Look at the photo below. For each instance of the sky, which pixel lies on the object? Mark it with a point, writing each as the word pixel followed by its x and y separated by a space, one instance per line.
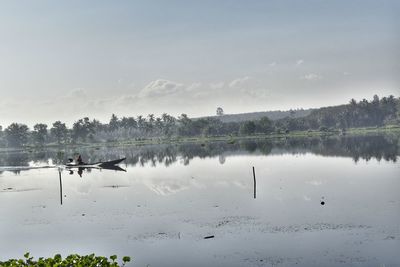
pixel 64 60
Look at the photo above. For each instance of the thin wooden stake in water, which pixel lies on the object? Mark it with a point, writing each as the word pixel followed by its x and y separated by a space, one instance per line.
pixel 59 174
pixel 254 176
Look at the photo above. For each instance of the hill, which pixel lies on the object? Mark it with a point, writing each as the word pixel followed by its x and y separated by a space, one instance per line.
pixel 272 115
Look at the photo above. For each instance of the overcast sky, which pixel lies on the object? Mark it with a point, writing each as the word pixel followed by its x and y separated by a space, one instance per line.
pixel 65 60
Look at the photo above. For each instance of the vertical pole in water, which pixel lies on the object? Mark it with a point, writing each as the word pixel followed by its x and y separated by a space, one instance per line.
pixel 59 174
pixel 254 177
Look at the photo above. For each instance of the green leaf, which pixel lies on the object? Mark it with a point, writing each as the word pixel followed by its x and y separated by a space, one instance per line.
pixel 126 259
pixel 71 260
pixel 57 258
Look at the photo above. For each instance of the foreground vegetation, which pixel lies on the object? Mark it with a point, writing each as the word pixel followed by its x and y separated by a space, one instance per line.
pixel 363 116
pixel 71 260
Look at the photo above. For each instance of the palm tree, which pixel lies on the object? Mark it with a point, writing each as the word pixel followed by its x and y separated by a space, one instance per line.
pixel 150 124
pixel 141 122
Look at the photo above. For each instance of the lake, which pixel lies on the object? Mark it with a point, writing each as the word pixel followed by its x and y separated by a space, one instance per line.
pixel 316 202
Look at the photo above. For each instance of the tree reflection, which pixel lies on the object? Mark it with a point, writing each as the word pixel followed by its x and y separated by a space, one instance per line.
pixel 379 147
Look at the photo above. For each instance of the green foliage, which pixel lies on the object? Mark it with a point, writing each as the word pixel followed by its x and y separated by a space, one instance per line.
pixel 323 129
pixel 82 129
pixel 17 135
pixel 70 261
pixel 113 125
pixel 264 125
pixel 168 124
pixel 374 113
pixel 249 127
pixel 59 132
pixel 220 111
pixel 39 133
pixel 2 141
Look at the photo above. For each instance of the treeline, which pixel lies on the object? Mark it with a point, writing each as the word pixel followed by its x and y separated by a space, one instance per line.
pixel 377 112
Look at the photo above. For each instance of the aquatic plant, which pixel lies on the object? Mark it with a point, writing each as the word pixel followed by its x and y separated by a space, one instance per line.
pixel 69 261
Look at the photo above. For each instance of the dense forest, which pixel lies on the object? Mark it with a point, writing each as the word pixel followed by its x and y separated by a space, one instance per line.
pixel 374 113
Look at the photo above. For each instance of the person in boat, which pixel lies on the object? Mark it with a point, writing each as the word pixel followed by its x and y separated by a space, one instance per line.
pixel 79 160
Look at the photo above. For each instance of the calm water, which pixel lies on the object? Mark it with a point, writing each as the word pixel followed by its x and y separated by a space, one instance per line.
pixel 172 196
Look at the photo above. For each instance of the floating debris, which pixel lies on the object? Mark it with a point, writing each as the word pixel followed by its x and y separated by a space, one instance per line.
pixel 115 186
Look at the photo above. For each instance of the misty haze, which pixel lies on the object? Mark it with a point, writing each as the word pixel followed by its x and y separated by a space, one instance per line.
pixel 200 133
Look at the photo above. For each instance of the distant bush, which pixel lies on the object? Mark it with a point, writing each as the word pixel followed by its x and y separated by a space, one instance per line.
pixel 323 129
pixel 71 260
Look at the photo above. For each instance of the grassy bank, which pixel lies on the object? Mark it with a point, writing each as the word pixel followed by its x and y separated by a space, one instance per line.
pixel 204 139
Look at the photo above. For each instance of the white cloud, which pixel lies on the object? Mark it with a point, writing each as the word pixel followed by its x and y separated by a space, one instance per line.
pixel 160 87
pixel 126 100
pixel 311 77
pixel 165 88
pixel 239 81
pixel 193 87
pixel 346 73
pixel 256 93
pixel 272 64
pixel 299 62
pixel 77 92
pixel 217 85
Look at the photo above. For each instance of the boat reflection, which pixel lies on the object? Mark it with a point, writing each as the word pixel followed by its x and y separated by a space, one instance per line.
pixel 80 170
